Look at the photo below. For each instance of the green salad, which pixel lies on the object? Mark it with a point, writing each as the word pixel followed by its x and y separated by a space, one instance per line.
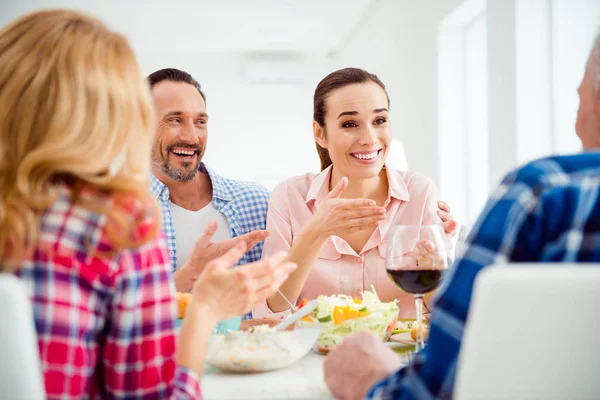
pixel 342 316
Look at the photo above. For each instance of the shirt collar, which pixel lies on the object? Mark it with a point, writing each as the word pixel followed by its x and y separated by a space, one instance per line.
pixel 397 185
pixel 220 188
pixel 320 186
pixel 220 191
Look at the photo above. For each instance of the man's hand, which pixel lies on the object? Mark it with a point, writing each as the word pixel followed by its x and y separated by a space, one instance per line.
pixel 448 223
pixel 205 251
pixel 352 368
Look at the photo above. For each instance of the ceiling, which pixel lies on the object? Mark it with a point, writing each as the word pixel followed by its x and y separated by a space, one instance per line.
pixel 246 26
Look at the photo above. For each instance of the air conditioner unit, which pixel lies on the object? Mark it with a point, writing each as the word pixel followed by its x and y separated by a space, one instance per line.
pixel 278 70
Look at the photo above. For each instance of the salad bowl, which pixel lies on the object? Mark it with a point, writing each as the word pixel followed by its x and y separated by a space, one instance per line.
pixel 341 316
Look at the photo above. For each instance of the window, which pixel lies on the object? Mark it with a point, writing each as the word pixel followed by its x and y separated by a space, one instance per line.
pixel 462 77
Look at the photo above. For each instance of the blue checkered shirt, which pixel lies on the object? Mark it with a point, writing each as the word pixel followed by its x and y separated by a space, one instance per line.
pixel 244 204
pixel 546 211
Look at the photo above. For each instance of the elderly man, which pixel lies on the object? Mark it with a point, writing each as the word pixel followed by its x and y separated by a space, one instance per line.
pixel 204 214
pixel 547 210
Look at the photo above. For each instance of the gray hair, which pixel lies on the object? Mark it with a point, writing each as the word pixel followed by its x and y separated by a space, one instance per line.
pixel 593 65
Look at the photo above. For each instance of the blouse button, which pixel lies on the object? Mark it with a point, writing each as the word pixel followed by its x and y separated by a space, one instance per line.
pixel 359 260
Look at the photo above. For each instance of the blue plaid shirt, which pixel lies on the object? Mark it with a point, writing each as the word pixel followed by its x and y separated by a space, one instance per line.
pixel 546 211
pixel 244 204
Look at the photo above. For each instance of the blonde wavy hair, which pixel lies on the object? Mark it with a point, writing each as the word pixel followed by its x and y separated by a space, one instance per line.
pixel 74 110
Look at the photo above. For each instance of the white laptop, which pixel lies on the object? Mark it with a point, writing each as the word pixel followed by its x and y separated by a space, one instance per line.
pixel 533 333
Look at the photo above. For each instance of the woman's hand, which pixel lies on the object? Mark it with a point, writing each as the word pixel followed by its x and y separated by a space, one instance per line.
pixel 228 292
pixel 425 254
pixel 448 222
pixel 337 216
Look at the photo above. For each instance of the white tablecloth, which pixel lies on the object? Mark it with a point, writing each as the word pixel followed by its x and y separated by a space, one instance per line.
pixel 302 380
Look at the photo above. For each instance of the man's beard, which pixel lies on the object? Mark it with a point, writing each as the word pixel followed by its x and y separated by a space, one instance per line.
pixel 185 174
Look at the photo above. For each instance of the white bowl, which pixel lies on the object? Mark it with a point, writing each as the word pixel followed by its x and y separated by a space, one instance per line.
pixel 260 351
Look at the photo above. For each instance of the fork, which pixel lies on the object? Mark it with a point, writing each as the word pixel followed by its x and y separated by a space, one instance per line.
pixel 293 307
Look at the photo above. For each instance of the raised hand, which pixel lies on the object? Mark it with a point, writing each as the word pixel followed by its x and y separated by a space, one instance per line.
pixel 336 216
pixel 229 292
pixel 204 251
pixel 448 222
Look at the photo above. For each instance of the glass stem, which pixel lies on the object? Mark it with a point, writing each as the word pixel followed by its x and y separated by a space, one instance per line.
pixel 419 306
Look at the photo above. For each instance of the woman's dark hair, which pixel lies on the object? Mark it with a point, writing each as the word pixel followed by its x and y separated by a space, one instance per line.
pixel 333 81
pixel 174 75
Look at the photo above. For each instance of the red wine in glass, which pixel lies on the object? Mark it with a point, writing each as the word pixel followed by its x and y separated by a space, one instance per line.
pixel 419 281
pixel 416 262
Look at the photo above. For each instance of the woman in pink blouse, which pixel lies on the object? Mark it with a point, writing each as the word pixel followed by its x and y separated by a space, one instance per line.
pixel 335 224
pixel 79 226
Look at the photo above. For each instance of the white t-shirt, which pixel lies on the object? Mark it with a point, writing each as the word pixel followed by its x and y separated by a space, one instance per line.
pixel 189 225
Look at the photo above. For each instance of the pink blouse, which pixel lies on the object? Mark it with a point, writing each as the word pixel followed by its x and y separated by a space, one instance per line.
pixel 412 200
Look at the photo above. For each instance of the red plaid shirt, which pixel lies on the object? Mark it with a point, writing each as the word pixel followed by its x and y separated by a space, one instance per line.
pixel 105 324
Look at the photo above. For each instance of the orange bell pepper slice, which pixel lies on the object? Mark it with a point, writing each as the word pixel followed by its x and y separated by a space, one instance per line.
pixel 351 313
pixel 339 316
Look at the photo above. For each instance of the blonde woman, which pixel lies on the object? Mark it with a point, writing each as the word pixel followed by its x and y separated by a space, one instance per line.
pixel 79 226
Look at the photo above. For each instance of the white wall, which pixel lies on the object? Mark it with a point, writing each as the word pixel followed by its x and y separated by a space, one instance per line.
pixel 263 131
pixel 536 52
pixel 257 131
pixel 397 40
pixel 463 109
pixel 554 38
pixel 534 79
pixel 502 89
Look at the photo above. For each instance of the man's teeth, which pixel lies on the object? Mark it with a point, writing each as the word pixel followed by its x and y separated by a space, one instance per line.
pixel 366 156
pixel 184 152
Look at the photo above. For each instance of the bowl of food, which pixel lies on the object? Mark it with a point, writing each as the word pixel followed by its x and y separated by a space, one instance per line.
pixel 260 348
pixel 342 316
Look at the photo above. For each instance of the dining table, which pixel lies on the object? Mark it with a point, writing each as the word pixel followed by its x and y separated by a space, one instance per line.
pixel 301 380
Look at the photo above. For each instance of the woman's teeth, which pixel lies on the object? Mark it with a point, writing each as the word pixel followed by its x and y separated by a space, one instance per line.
pixel 365 156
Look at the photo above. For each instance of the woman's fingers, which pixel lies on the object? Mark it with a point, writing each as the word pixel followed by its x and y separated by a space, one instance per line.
pixel 353 204
pixel 230 258
pixel 364 212
pixel 363 222
pixel 261 268
pixel 338 189
pixel 279 273
pixel 267 287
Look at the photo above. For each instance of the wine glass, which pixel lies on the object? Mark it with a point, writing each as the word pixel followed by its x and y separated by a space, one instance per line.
pixel 416 261
pixel 463 233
